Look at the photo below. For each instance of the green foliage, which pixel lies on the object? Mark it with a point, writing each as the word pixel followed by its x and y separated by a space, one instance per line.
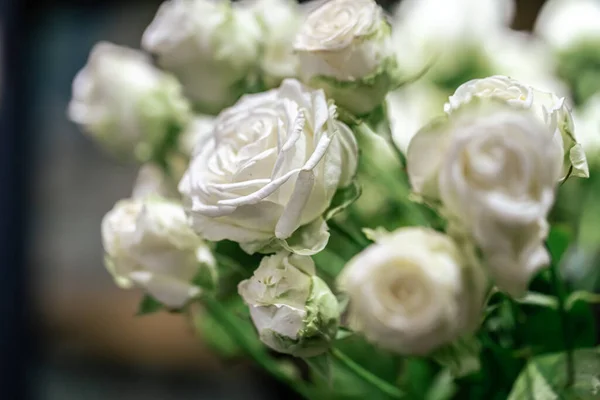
pixel 461 357
pixel 343 198
pixel 334 378
pixel 580 67
pixel 149 305
pixel 545 377
pixel 219 338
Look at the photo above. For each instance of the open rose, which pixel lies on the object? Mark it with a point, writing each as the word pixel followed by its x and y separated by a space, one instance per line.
pixel 547 107
pixel 269 170
pixel 494 169
pixel 344 47
pixel 413 291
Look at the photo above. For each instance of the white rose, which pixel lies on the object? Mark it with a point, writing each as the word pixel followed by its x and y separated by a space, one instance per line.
pixel 148 244
pixel 345 48
pixel 293 310
pixel 494 168
pixel 565 23
pixel 280 21
pixel 200 127
pixel 269 170
pixel 125 103
pixel 546 107
pixel 413 291
pixel 209 45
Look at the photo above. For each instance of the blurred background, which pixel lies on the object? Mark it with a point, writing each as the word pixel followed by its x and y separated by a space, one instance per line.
pixel 66 331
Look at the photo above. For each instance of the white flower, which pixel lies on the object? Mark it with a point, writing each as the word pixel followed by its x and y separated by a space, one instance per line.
pixel 447 34
pixel 293 310
pixel 411 107
pixel 413 291
pixel 194 133
pixel 269 170
pixel 280 21
pixel 566 23
pixel 546 107
pixel 148 244
pixel 152 180
pixel 209 45
pixel 345 48
pixel 128 105
pixel 494 168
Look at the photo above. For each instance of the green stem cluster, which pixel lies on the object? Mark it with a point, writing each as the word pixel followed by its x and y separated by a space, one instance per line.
pixel 368 377
pixel 224 319
pixel 561 295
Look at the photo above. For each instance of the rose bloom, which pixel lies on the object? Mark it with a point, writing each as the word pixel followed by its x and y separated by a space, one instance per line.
pixel 148 244
pixel 212 47
pixel 293 310
pixel 494 169
pixel 413 291
pixel 269 170
pixel 547 107
pixel 124 102
pixel 344 47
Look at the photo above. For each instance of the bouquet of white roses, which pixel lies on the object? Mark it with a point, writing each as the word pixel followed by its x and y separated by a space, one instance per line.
pixel 295 198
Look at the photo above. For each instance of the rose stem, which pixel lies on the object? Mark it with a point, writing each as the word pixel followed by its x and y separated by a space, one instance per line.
pixel 562 312
pixel 356 238
pixel 223 318
pixel 368 377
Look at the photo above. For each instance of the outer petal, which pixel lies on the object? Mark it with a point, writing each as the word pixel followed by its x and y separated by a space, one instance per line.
pixel 172 292
pixel 424 157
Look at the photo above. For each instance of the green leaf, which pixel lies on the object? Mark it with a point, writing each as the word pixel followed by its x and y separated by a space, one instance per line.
pixel 148 305
pixel 418 374
pixel 558 242
pixel 587 297
pixel 539 299
pixel 545 378
pixel 461 357
pixel 443 387
pixel 343 333
pixel 216 337
pixel 343 198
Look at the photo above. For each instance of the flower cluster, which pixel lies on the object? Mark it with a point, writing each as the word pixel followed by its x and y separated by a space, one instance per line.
pixel 259 127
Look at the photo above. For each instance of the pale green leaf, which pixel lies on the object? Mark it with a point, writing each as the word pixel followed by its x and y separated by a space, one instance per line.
pixel 584 296
pixel 545 378
pixel 149 305
pixel 461 357
pixel 343 198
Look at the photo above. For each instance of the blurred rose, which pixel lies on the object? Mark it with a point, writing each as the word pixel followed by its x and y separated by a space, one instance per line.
pixel 211 46
pixel 148 244
pixel 413 291
pixel 344 47
pixel 125 103
pixel 494 169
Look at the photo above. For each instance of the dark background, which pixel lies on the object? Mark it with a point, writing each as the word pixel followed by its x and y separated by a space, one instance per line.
pixel 65 331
